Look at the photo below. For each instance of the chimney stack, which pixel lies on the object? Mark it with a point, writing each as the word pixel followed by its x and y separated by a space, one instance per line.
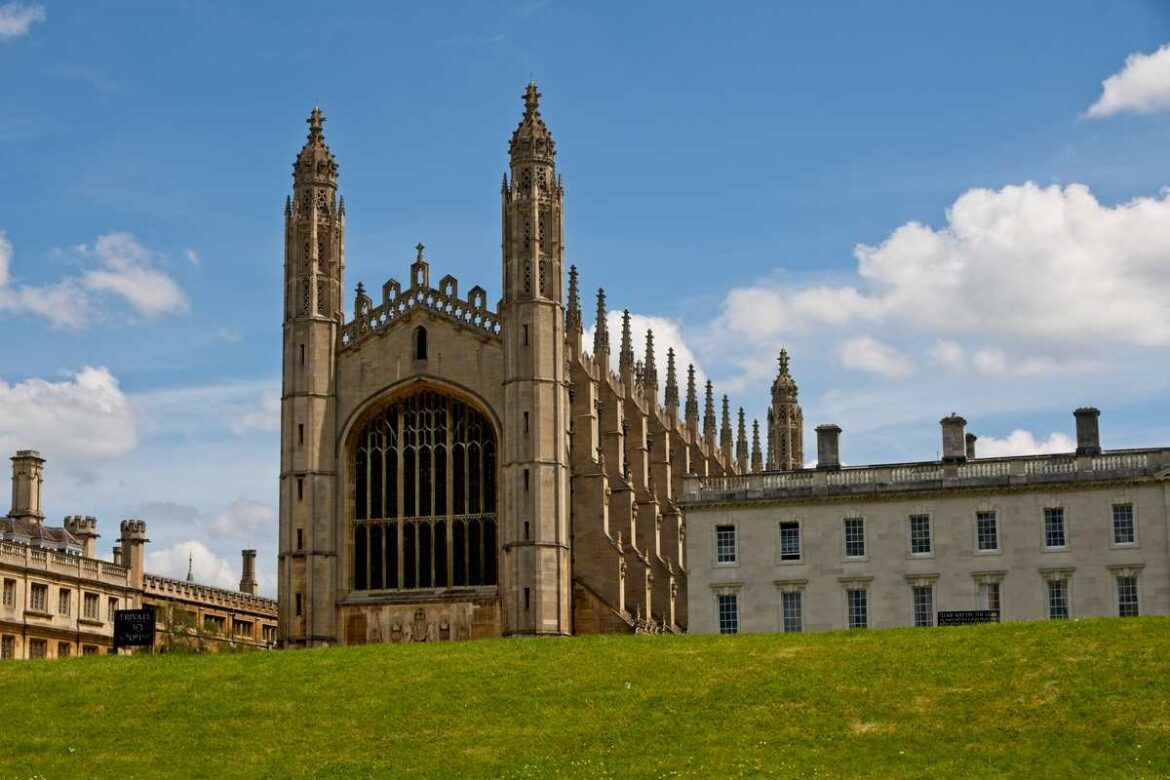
pixel 248 575
pixel 971 439
pixel 1088 434
pixel 117 555
pixel 133 542
pixel 84 529
pixel 828 447
pixel 954 442
pixel 28 469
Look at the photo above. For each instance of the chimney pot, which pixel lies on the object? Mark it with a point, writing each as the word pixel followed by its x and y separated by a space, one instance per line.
pixel 954 440
pixel 971 439
pixel 828 447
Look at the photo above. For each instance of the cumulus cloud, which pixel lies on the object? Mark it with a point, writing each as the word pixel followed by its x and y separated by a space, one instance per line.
pixel 948 353
pixel 246 519
pixel 264 416
pixel 1038 265
pixel 83 417
pixel 16 19
pixel 1142 86
pixel 868 354
pixel 207 568
pixel 125 270
pixel 1021 442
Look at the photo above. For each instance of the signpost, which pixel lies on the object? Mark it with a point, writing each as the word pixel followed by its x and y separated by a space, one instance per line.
pixel 967 617
pixel 134 628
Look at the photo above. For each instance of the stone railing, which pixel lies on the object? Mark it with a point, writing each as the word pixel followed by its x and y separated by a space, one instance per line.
pixel 52 562
pixel 397 304
pixel 909 476
pixel 165 587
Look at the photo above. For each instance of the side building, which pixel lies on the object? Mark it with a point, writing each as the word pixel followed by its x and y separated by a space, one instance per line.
pixel 57 599
pixel 1081 534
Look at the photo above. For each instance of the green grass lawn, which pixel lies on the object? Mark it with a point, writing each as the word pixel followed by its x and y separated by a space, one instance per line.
pixel 1086 698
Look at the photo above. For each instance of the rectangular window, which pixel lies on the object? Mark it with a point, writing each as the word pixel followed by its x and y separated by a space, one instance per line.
pixel 64 601
pixel 854 537
pixel 986 531
pixel 298 605
pixel 300 433
pixel 1127 596
pixel 1057 599
pixel 920 534
pixel 526 422
pixel 989 595
pixel 214 624
pixel 300 488
pixel 858 600
pixel 38 600
pixel 64 649
pixel 1123 524
pixel 10 593
pixel 300 538
pixel 89 650
pixel 1054 535
pixel 302 354
pixel 923 605
pixel 7 646
pixel 242 629
pixel 112 606
pixel 728 613
pixel 792 612
pixel 725 551
pixel 790 541
pixel 90 609
pixel 525 480
pixel 38 648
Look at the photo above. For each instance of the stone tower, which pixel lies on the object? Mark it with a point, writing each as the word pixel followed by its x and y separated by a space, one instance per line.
pixel 785 422
pixel 314 267
pixel 28 475
pixel 535 570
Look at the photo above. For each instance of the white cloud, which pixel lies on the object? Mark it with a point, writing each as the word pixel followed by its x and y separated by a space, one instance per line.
pixel 868 354
pixel 192 257
pixel 84 417
pixel 667 334
pixel 1038 265
pixel 16 19
pixel 990 361
pixel 948 353
pixel 265 416
pixel 127 273
pixel 207 568
pixel 1021 442
pixel 246 519
pixel 1142 86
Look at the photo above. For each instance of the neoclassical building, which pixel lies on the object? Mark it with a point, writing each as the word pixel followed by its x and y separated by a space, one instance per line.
pixel 455 469
pixel 1067 535
pixel 58 599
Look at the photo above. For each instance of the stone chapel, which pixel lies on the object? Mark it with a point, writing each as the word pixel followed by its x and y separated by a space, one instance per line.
pixel 454 470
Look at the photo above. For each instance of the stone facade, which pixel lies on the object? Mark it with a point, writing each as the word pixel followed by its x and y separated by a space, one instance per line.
pixel 57 599
pixel 451 470
pixel 1082 534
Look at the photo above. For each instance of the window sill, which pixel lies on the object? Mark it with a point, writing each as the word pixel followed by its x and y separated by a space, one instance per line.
pixel 790 561
pixel 86 621
pixel 37 613
pixel 1125 546
pixel 1054 549
pixel 727 565
pixel 989 552
pixel 856 559
pixel 920 556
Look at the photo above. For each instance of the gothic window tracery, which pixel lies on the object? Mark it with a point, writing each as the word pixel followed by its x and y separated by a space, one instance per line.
pixel 425 497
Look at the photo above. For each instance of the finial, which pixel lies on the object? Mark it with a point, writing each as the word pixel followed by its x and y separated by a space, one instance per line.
pixel 626 356
pixel 531 99
pixel 361 289
pixel 504 186
pixel 287 206
pixel 419 247
pixel 671 394
pixel 190 566
pixel 783 362
pixel 601 332
pixel 757 454
pixel 741 445
pixel 341 205
pixel 573 316
pixel 316 122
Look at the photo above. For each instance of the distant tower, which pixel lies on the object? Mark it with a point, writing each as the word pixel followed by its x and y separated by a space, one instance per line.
pixel 28 475
pixel 314 272
pixel 248 572
pixel 534 589
pixel 785 422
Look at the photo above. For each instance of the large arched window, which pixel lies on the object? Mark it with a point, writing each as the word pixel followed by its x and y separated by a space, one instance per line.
pixel 424 497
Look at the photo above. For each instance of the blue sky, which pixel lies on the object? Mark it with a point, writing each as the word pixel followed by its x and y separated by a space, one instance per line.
pixel 722 166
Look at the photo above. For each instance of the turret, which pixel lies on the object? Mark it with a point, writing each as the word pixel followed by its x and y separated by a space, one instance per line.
pixel 785 422
pixel 84 529
pixel 133 543
pixel 28 477
pixel 248 572
pixel 534 512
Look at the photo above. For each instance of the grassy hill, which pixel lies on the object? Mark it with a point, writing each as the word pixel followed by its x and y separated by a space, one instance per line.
pixel 1087 698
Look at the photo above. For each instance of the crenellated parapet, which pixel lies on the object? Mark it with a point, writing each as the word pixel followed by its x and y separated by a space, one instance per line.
pixel 397 304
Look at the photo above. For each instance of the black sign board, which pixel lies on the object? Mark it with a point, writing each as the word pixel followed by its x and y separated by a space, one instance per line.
pixel 134 627
pixel 967 617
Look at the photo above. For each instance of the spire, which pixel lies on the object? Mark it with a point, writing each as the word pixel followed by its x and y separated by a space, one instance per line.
pixel 601 334
pixel 190 566
pixel 650 366
pixel 626 355
pixel 757 455
pixel 532 139
pixel 315 164
pixel 709 415
pixel 784 362
pixel 671 394
pixel 573 316
pixel 785 421
pixel 725 431
pixel 692 409
pixel 741 445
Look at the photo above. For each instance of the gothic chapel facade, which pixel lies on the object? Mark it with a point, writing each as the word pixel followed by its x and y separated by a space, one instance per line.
pixel 450 471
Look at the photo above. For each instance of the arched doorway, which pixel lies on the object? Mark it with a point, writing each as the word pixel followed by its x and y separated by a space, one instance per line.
pixel 424 503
